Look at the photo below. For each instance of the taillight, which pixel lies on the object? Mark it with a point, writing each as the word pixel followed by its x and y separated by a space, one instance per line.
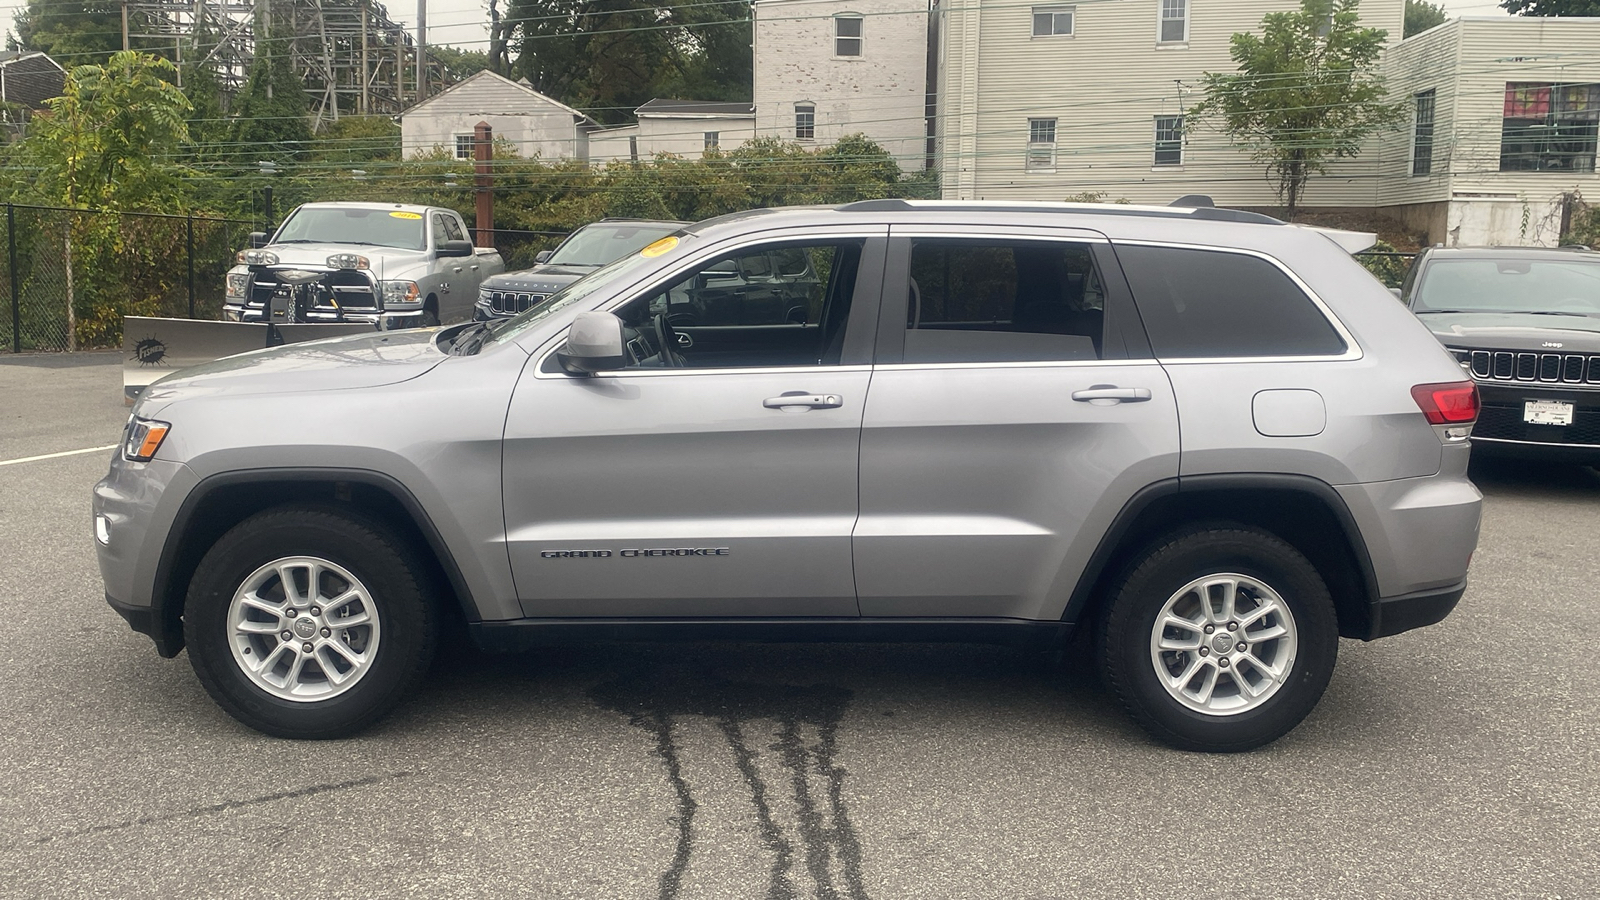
pixel 1451 403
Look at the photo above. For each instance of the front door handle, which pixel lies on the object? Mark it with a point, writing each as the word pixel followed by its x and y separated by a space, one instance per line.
pixel 803 400
pixel 1107 394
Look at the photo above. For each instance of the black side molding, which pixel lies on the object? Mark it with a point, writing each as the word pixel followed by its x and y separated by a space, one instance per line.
pixel 523 634
pixel 1393 615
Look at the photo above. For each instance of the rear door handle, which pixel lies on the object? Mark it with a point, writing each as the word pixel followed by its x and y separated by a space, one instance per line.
pixel 802 400
pixel 1112 393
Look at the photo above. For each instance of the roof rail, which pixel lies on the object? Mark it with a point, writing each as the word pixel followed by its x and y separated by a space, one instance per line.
pixel 1210 213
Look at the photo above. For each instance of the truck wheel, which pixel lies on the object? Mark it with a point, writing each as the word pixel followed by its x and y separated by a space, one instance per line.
pixel 309 622
pixel 1219 638
pixel 430 314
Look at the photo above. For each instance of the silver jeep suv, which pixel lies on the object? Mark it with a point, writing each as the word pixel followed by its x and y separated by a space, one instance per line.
pixel 1208 437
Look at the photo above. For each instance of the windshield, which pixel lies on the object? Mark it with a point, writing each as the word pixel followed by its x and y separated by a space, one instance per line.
pixel 596 245
pixel 337 225
pixel 509 328
pixel 1511 285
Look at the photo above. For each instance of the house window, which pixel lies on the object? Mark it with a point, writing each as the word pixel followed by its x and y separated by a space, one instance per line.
pixel 712 139
pixel 1169 141
pixel 1041 145
pixel 1174 22
pixel 847 35
pixel 1053 21
pixel 464 146
pixel 633 147
pixel 1422 135
pixel 1549 127
pixel 805 122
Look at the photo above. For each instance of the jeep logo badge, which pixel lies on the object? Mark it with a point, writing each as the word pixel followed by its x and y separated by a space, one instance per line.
pixel 1556 345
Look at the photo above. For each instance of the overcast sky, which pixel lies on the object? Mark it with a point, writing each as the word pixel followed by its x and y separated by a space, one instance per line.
pixel 465 23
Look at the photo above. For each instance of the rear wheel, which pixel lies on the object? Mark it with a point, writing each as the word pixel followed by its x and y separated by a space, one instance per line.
pixel 309 622
pixel 1219 638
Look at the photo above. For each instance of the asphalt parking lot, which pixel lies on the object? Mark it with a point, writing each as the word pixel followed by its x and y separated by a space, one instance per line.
pixel 1461 760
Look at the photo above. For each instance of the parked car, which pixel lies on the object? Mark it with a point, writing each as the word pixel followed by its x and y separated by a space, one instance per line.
pixel 1525 322
pixel 391 264
pixel 1208 437
pixel 583 251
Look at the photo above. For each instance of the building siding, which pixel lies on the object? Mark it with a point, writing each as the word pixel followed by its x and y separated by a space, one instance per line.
pixel 1105 85
pixel 881 94
pixel 534 124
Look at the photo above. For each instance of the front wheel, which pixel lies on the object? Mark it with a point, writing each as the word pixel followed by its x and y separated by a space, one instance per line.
pixel 309 622
pixel 1219 638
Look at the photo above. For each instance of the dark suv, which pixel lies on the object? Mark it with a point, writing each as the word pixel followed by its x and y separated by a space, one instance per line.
pixel 583 251
pixel 1526 323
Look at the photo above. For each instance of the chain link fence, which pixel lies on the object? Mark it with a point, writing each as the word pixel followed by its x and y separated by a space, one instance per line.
pixel 68 276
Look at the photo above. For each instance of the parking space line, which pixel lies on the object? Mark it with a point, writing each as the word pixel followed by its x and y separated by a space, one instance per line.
pixel 12 462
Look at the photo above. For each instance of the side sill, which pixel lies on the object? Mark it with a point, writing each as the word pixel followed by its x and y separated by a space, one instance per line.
pixel 520 634
pixel 1394 615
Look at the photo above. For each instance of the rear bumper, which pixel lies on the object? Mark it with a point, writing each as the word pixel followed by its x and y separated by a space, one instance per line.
pixel 1393 615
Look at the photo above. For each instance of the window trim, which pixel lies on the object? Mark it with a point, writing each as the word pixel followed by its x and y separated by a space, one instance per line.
pixel 1416 125
pixel 810 109
pixel 1053 10
pixel 1352 349
pixel 1155 154
pixel 1054 142
pixel 713 140
pixel 860 39
pixel 472 146
pixel 1161 20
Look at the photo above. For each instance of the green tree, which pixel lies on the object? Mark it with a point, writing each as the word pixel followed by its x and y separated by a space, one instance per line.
pixel 1551 7
pixel 74 32
pixel 271 110
pixel 459 64
pixel 110 142
pixel 1307 91
pixel 1422 15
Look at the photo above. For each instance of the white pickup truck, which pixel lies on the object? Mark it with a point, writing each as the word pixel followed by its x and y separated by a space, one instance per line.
pixel 391 264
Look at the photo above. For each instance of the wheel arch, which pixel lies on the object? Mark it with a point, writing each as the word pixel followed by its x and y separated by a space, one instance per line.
pixel 221 501
pixel 1306 512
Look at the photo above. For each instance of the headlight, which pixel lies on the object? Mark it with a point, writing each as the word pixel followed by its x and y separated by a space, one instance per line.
pixel 257 258
pixel 349 261
pixel 400 292
pixel 238 282
pixel 144 438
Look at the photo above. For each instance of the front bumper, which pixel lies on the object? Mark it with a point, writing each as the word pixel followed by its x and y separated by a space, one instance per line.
pixel 1502 430
pixel 136 501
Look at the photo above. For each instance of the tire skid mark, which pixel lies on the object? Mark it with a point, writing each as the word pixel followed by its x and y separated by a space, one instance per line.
pixel 653 697
pixel 224 806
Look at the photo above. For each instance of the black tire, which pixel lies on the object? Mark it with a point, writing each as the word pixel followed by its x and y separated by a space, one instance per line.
pixel 363 546
pixel 1160 571
pixel 429 317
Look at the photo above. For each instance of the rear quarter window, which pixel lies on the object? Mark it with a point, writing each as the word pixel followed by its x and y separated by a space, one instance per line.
pixel 1212 303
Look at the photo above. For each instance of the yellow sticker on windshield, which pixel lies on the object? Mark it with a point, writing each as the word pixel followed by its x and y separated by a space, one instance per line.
pixel 405 215
pixel 660 247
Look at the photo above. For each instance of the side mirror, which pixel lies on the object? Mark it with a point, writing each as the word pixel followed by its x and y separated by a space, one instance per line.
pixel 542 257
pixel 595 343
pixel 1396 293
pixel 258 239
pixel 456 248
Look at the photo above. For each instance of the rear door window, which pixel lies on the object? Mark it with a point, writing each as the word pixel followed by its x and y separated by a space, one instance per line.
pixel 1003 301
pixel 1212 303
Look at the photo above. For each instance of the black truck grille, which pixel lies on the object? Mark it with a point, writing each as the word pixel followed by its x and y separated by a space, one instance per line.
pixel 1548 368
pixel 1504 422
pixel 509 302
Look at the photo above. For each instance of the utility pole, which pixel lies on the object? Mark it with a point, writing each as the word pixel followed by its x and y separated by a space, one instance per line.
pixel 365 71
pixel 400 68
pixel 422 50
pixel 483 183
pixel 125 44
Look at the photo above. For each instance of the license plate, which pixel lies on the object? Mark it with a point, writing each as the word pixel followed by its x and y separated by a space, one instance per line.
pixel 1547 412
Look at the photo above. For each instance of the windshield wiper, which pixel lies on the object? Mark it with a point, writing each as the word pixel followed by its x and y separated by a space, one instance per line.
pixel 300 241
pixel 471 339
pixel 1557 312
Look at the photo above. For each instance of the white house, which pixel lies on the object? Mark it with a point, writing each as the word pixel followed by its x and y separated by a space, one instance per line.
pixel 828 68
pixel 690 127
pixel 533 123
pixel 1049 100
pixel 1502 132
